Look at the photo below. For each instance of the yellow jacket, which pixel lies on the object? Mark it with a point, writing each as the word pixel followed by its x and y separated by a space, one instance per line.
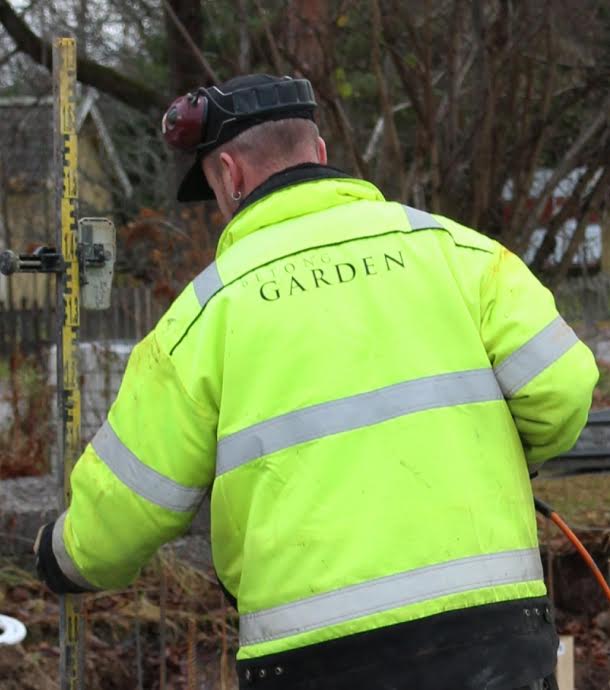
pixel 364 388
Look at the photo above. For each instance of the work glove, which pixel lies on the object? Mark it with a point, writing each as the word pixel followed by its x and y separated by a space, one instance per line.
pixel 46 564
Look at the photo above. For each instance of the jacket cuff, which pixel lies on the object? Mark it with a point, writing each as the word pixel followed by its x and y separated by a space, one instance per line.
pixel 48 563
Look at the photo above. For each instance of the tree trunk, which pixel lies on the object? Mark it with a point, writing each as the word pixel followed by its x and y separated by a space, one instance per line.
pixel 186 72
pixel 82 20
pixel 307 35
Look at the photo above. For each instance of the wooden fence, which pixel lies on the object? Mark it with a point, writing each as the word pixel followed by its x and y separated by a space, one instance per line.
pixel 134 311
pixel 32 327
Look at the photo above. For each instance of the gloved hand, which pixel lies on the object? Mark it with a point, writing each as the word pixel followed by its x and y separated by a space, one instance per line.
pixel 46 564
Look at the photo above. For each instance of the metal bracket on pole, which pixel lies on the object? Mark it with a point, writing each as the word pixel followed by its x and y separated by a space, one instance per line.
pixel 96 252
pixel 43 260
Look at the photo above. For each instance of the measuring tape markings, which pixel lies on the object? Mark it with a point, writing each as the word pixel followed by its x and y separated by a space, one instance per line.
pixel 70 401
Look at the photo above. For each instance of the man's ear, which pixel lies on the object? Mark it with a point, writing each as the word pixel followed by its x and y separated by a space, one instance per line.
pixel 322 157
pixel 232 174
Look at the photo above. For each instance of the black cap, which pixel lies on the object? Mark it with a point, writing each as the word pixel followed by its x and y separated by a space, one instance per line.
pixel 235 106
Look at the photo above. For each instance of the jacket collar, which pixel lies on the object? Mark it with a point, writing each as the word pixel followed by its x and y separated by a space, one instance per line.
pixel 305 172
pixel 303 189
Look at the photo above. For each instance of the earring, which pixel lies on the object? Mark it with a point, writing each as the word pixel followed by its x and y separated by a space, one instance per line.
pixel 236 196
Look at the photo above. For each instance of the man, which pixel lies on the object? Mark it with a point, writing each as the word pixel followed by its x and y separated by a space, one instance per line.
pixel 365 388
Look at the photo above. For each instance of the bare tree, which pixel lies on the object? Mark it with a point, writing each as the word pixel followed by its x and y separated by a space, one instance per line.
pixel 451 105
pixel 104 78
pixel 184 27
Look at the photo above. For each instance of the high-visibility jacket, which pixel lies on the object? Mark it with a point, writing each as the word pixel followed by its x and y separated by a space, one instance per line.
pixel 364 387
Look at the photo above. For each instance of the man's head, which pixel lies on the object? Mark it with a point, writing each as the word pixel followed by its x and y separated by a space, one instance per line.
pixel 242 132
pixel 236 168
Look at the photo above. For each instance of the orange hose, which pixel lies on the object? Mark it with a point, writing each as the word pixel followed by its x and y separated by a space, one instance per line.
pixel 582 551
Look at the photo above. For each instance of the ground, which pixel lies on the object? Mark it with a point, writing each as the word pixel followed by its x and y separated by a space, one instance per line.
pixel 123 632
pixel 200 629
pixel 582 610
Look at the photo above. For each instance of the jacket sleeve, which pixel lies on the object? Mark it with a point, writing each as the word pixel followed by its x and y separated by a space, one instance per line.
pixel 141 479
pixel 546 373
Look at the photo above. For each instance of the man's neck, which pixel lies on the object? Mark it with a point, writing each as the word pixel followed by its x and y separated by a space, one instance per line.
pixel 303 172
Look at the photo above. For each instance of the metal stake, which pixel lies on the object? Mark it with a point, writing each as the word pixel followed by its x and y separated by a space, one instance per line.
pixel 68 321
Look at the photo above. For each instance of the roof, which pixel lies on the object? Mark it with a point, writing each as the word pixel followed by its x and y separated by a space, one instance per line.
pixel 589 252
pixel 26 139
pixel 564 187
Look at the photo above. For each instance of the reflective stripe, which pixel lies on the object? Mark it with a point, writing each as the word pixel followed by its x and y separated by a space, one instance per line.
pixel 523 365
pixel 391 592
pixel 207 284
pixel 420 220
pixel 141 479
pixel 63 559
pixel 355 412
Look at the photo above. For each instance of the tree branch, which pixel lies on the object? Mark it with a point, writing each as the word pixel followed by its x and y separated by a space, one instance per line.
pixel 579 232
pixel 103 78
pixel 408 82
pixel 523 181
pixel 394 147
pixel 276 58
pixel 243 60
pixel 569 209
pixel 8 57
pixel 377 133
pixel 197 53
pixel 568 162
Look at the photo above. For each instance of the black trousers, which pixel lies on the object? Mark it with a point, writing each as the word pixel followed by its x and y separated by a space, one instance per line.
pixel 546 684
pixel 502 646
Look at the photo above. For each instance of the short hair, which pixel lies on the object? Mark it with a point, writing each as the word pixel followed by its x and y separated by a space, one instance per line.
pixel 273 144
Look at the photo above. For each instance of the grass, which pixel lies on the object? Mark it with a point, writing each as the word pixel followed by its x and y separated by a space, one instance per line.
pixel 122 626
pixel 601 397
pixel 4 369
pixel 583 500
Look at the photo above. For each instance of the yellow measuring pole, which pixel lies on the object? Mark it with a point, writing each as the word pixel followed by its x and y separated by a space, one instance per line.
pixel 68 323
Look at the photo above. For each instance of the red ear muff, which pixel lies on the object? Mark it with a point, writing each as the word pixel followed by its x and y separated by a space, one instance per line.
pixel 184 122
